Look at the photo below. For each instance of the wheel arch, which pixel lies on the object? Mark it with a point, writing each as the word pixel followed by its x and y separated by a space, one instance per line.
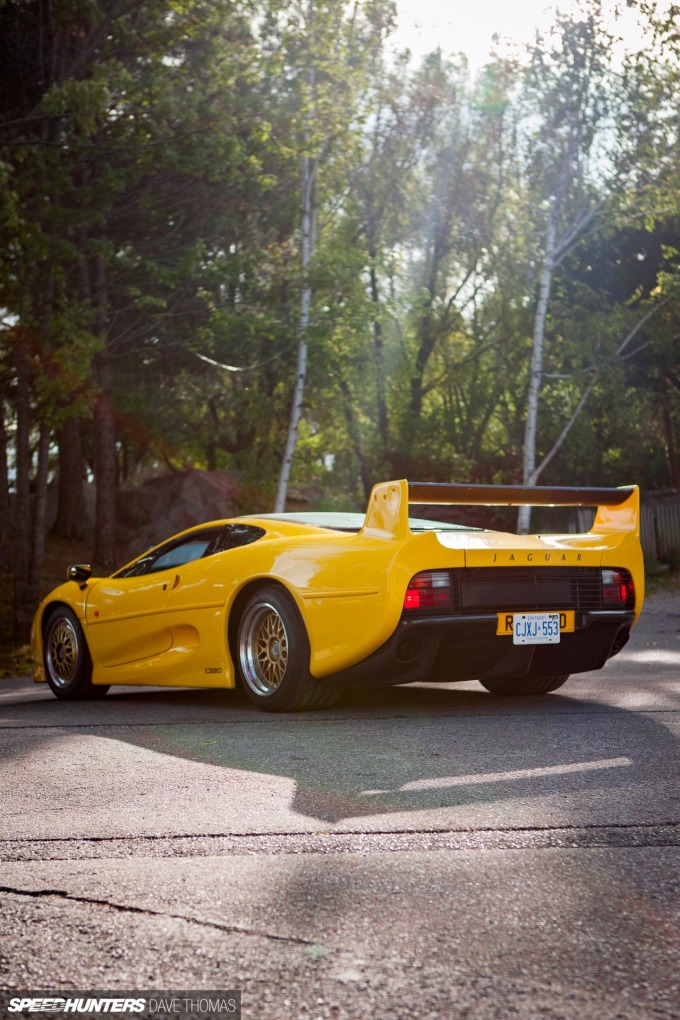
pixel 39 629
pixel 267 610
pixel 49 608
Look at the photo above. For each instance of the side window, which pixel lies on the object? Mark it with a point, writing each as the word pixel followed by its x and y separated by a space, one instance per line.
pixel 139 567
pixel 232 536
pixel 187 552
pixel 171 554
pixel 193 547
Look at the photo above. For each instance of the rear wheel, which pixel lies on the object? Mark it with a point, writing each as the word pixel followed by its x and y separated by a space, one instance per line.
pixel 273 656
pixel 532 683
pixel 68 666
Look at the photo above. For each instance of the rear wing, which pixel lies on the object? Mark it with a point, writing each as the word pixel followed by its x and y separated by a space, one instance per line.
pixel 387 513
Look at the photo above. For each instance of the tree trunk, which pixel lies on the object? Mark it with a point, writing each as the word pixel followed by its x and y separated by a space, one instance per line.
pixel 428 329
pixel 23 608
pixel 427 339
pixel 105 466
pixel 5 512
pixel 379 349
pixel 39 512
pixel 70 521
pixel 355 440
pixel 308 245
pixel 536 375
pixel 669 431
pixel 105 476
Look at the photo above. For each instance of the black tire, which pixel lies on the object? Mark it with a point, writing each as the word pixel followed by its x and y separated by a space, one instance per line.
pixel 532 683
pixel 68 666
pixel 272 655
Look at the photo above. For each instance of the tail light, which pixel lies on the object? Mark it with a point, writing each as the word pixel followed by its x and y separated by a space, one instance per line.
pixel 618 590
pixel 429 590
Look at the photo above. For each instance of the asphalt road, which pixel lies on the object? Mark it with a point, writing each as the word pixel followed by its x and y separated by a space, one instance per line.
pixel 428 852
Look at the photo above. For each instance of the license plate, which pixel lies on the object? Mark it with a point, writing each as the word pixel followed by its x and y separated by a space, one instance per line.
pixel 535 628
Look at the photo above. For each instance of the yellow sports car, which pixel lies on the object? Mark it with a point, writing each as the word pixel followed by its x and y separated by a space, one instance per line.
pixel 297 606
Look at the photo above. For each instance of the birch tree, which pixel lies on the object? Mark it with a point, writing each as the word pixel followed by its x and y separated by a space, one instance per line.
pixel 328 50
pixel 309 170
pixel 575 99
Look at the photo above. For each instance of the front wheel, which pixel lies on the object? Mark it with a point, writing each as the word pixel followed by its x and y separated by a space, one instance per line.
pixel 273 656
pixel 532 683
pixel 68 666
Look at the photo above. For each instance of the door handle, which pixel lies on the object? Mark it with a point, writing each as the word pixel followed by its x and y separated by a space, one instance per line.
pixel 176 582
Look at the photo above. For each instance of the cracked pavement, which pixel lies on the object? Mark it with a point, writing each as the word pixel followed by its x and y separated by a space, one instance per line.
pixel 426 852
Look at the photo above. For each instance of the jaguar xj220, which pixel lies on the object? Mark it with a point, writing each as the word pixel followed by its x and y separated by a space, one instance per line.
pixel 294 607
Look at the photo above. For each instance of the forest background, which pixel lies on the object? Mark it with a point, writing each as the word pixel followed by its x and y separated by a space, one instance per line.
pixel 248 235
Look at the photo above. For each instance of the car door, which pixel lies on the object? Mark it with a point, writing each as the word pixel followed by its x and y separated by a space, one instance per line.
pixel 197 592
pixel 125 618
pixel 126 614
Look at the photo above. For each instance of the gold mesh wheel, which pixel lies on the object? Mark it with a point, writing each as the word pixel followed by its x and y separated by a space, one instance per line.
pixel 263 648
pixel 68 666
pixel 62 652
pixel 272 652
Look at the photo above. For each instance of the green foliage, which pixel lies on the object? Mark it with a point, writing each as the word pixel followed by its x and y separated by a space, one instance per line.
pixel 149 215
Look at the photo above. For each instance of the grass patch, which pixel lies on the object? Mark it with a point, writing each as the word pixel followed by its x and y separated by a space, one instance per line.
pixel 662 580
pixel 15 661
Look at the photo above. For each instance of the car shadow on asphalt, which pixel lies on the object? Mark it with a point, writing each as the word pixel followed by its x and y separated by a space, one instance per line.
pixel 389 751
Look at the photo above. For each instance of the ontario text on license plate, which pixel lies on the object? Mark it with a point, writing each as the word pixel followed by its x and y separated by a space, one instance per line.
pixel 535 628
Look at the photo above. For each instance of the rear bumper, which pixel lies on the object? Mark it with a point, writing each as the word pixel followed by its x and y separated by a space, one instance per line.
pixel 445 649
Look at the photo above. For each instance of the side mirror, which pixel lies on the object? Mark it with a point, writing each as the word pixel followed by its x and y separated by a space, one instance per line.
pixel 79 572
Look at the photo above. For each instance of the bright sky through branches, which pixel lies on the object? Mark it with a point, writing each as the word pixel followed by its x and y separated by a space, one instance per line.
pixel 468 26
